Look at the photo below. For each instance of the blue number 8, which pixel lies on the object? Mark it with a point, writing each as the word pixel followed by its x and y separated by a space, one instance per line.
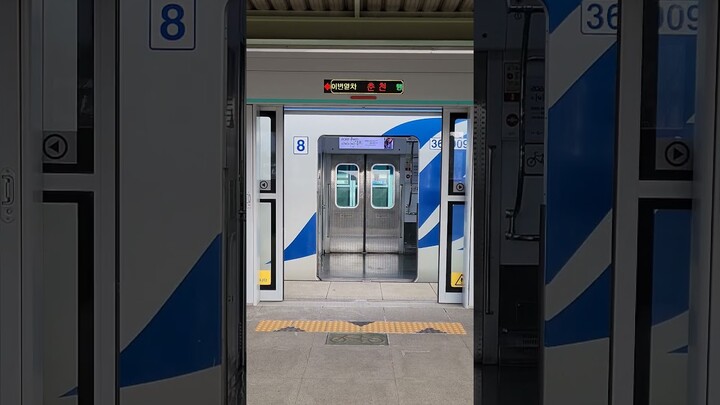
pixel 301 145
pixel 176 21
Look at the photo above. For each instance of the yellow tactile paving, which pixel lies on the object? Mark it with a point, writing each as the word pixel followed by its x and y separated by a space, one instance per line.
pixel 451 328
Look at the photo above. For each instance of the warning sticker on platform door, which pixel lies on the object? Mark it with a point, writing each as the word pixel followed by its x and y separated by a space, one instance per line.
pixel 456 279
pixel 265 277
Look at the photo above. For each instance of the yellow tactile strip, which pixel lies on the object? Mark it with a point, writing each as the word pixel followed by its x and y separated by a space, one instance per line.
pixel 451 328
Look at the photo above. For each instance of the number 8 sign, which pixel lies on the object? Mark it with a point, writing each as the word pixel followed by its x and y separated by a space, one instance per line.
pixel 172 24
pixel 300 145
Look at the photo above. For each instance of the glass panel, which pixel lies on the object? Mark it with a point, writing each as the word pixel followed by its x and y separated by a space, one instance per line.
pixel 265 241
pixel 383 186
pixel 458 153
pixel 265 131
pixel 667 130
pixel 346 186
pixel 668 104
pixel 456 243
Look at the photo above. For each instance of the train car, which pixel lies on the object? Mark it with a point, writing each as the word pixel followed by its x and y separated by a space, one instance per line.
pixel 551 163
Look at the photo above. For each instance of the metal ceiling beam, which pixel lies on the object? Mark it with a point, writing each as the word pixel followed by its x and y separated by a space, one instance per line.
pixel 356 44
pixel 460 15
pixel 394 29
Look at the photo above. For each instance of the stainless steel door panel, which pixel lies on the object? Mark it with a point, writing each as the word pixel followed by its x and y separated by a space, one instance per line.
pixel 383 226
pixel 345 209
pixel 350 265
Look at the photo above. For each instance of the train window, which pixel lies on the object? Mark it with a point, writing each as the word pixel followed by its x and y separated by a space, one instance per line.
pixel 382 191
pixel 458 153
pixel 266 132
pixel 347 189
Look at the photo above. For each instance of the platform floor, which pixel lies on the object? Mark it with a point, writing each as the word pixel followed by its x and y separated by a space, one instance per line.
pixel 305 349
pixel 358 290
pixel 412 366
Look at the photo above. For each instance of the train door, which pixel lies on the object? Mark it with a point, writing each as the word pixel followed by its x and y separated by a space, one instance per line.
pixel 344 228
pixel 10 359
pixel 454 210
pixel 21 226
pixel 265 202
pixel 383 218
pixel 362 226
pixel 362 213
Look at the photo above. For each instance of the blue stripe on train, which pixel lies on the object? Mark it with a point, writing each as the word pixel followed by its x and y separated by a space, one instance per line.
pixel 423 129
pixel 580 159
pixel 184 336
pixel 305 243
pixel 559 10
pixel 587 318
pixel 429 198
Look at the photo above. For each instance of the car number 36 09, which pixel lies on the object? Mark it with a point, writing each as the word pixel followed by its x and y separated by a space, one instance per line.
pixel 675 17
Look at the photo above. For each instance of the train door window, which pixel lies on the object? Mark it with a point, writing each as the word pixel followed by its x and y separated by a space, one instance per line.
pixel 383 186
pixel 266 132
pixel 346 186
pixel 458 152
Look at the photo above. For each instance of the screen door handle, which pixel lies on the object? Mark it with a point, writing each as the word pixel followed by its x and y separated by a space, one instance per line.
pixel 7 195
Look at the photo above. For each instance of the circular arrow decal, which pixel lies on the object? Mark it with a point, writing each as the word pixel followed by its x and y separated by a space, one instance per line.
pixel 677 154
pixel 55 147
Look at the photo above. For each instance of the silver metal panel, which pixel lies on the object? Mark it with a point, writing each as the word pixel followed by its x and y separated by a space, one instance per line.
pixel 383 227
pixel 373 266
pixel 251 201
pixel 490 291
pixel 30 198
pixel 345 226
pixel 10 337
pixel 105 47
pixel 703 355
pixel 60 302
pixel 625 215
pixel 169 213
pixel 713 356
pixel 294 76
pixel 342 265
pixel 233 228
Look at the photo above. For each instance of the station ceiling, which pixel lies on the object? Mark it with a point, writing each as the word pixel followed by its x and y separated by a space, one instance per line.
pixel 378 20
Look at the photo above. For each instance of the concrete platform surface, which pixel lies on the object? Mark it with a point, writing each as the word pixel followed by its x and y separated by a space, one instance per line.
pixel 358 290
pixel 413 368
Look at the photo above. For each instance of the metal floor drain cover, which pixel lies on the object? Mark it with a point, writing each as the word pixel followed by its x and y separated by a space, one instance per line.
pixel 365 339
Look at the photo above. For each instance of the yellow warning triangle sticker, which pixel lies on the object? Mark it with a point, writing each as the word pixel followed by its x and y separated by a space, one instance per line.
pixel 456 279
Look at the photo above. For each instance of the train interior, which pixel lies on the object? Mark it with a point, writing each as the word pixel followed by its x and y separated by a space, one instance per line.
pixel 368 211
